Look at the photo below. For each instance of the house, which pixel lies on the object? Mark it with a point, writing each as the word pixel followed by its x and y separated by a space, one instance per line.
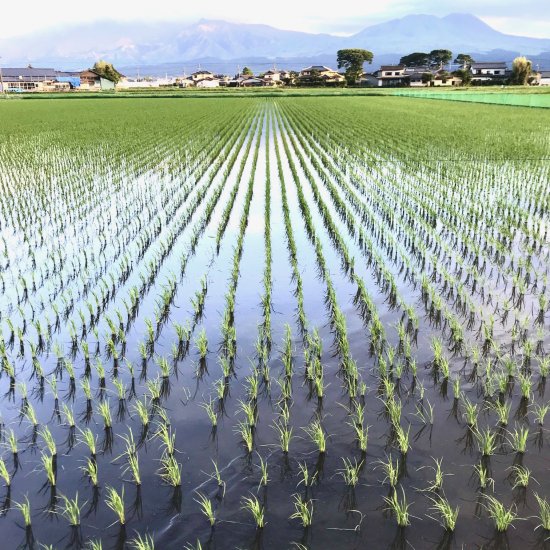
pixel 544 78
pixel 493 68
pixel 94 82
pixel 184 82
pixel 32 79
pixel 208 83
pixel 390 76
pixel 201 74
pixel 320 75
pixel 369 80
pixel 489 72
pixel 252 82
pixel 272 76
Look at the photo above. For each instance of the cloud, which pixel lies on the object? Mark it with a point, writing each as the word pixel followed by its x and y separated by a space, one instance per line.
pixel 346 16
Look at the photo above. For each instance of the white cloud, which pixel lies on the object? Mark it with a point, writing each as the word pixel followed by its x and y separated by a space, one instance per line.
pixel 22 18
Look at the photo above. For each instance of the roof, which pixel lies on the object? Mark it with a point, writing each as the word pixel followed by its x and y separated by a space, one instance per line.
pixel 392 67
pixel 272 72
pixel 489 65
pixel 320 68
pixel 545 74
pixel 201 72
pixel 36 73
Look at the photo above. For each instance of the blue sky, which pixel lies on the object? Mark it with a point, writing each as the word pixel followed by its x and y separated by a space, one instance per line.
pixel 528 17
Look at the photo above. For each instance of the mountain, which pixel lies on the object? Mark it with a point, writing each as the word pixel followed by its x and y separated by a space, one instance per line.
pixel 457 32
pixel 151 44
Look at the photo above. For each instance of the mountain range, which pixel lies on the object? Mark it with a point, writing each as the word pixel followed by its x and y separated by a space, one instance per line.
pixel 219 43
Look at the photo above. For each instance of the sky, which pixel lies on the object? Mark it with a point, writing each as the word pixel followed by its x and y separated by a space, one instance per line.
pixel 526 18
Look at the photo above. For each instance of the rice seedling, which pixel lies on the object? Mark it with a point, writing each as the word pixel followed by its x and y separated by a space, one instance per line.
pixel 90 471
pixel 104 409
pixel 447 515
pixel 25 509
pixel 210 411
pixel 399 507
pixel 201 342
pixel 143 543
pixel 391 471
pixel 115 501
pixel 70 509
pixel 518 439
pixel 256 510
pixel 544 513
pixel 350 471
pixel 4 473
pixel 317 435
pixel 205 505
pixel 502 517
pixel 50 469
pixel 487 441
pixel 247 436
pixel 170 470
pixel 303 510
pixel 484 480
pixel 284 434
pixel 521 476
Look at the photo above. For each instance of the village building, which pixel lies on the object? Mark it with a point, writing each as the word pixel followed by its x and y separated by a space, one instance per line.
pixel 489 72
pixel 390 76
pixel 32 79
pixel 93 82
pixel 320 74
pixel 201 74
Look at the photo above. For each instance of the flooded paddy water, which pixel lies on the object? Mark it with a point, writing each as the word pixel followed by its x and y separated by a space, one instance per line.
pixel 274 323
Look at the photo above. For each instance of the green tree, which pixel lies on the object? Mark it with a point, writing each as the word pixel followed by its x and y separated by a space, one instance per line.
pixel 439 58
pixel 427 78
pixel 465 75
pixel 416 59
pixel 106 70
pixel 464 59
pixel 247 72
pixel 521 71
pixel 352 60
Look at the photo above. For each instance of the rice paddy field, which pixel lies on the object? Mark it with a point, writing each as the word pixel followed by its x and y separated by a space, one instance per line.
pixel 314 322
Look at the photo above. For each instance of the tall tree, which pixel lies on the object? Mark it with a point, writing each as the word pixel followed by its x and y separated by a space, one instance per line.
pixel 439 58
pixel 106 70
pixel 352 60
pixel 416 59
pixel 247 72
pixel 464 59
pixel 521 71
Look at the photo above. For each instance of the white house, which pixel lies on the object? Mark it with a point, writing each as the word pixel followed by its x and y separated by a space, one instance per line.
pixel 392 75
pixel 208 83
pixel 544 79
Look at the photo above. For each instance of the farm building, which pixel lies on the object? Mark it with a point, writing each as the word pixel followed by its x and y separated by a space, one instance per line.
pixel 32 79
pixel 92 81
pixel 544 78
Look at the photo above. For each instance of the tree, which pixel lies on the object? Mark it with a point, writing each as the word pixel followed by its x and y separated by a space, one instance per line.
pixel 427 78
pixel 106 70
pixel 247 72
pixel 465 75
pixel 352 60
pixel 440 58
pixel 464 59
pixel 416 59
pixel 521 71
